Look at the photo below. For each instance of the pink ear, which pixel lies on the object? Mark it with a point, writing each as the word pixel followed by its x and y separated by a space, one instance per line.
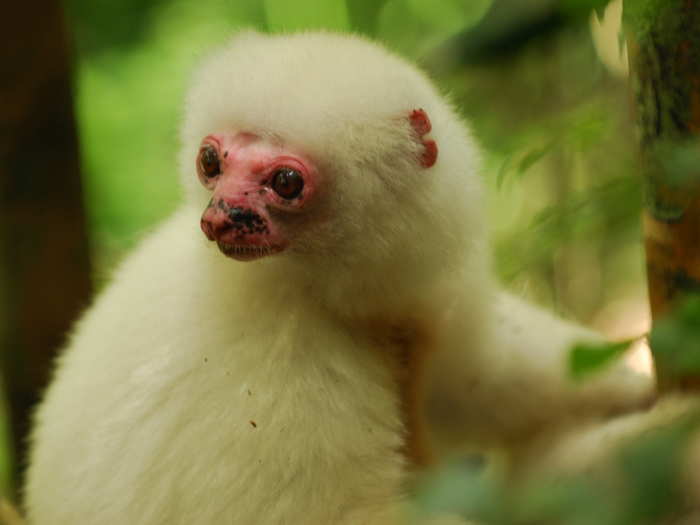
pixel 421 125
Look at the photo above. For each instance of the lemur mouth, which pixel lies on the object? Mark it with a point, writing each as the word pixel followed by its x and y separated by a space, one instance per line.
pixel 247 252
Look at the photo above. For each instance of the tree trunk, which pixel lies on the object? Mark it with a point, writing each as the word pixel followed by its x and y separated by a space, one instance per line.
pixel 44 269
pixel 665 63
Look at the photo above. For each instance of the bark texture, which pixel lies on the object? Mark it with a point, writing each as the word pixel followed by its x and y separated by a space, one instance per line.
pixel 665 64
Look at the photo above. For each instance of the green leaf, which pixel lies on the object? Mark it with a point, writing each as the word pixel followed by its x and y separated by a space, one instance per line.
pixel 588 358
pixel 534 156
pixel 587 130
pixel 585 216
pixel 283 15
pixel 504 170
pixel 415 27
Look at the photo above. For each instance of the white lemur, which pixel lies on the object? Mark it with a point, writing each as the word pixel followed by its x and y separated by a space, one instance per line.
pixel 282 378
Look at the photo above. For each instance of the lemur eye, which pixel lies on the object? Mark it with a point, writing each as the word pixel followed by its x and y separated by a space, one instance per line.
pixel 287 183
pixel 209 161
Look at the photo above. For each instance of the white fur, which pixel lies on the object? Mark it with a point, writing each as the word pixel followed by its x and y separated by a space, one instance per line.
pixel 202 390
pixel 149 419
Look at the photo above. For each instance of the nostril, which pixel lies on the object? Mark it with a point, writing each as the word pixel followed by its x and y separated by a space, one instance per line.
pixel 214 223
pixel 219 219
pixel 236 214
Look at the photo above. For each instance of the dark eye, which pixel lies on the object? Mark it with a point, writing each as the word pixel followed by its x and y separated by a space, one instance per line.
pixel 209 161
pixel 287 183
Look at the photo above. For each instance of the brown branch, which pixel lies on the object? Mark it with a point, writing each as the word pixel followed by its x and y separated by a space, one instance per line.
pixel 665 60
pixel 44 270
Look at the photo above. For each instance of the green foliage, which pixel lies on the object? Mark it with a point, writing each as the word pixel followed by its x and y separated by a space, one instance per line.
pixel 103 25
pixel 414 27
pixel 577 155
pixel 461 488
pixel 584 215
pixel 128 100
pixel 651 468
pixel 283 15
pixel 639 15
pixel 584 7
pixel 533 156
pixel 572 133
pixel 675 339
pixel 364 14
pixel 638 483
pixel 588 358
pixel 528 160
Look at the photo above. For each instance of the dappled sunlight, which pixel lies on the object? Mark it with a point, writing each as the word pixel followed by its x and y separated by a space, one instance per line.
pixel 628 318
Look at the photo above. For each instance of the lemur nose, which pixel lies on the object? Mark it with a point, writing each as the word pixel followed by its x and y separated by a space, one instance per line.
pixel 219 219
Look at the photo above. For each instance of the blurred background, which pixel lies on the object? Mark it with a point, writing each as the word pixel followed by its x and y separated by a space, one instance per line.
pixel 90 106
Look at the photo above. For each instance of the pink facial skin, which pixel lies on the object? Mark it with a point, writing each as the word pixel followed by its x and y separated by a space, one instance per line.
pixel 250 176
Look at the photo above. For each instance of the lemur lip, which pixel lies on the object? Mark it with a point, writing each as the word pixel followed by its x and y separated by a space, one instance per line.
pixel 247 252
